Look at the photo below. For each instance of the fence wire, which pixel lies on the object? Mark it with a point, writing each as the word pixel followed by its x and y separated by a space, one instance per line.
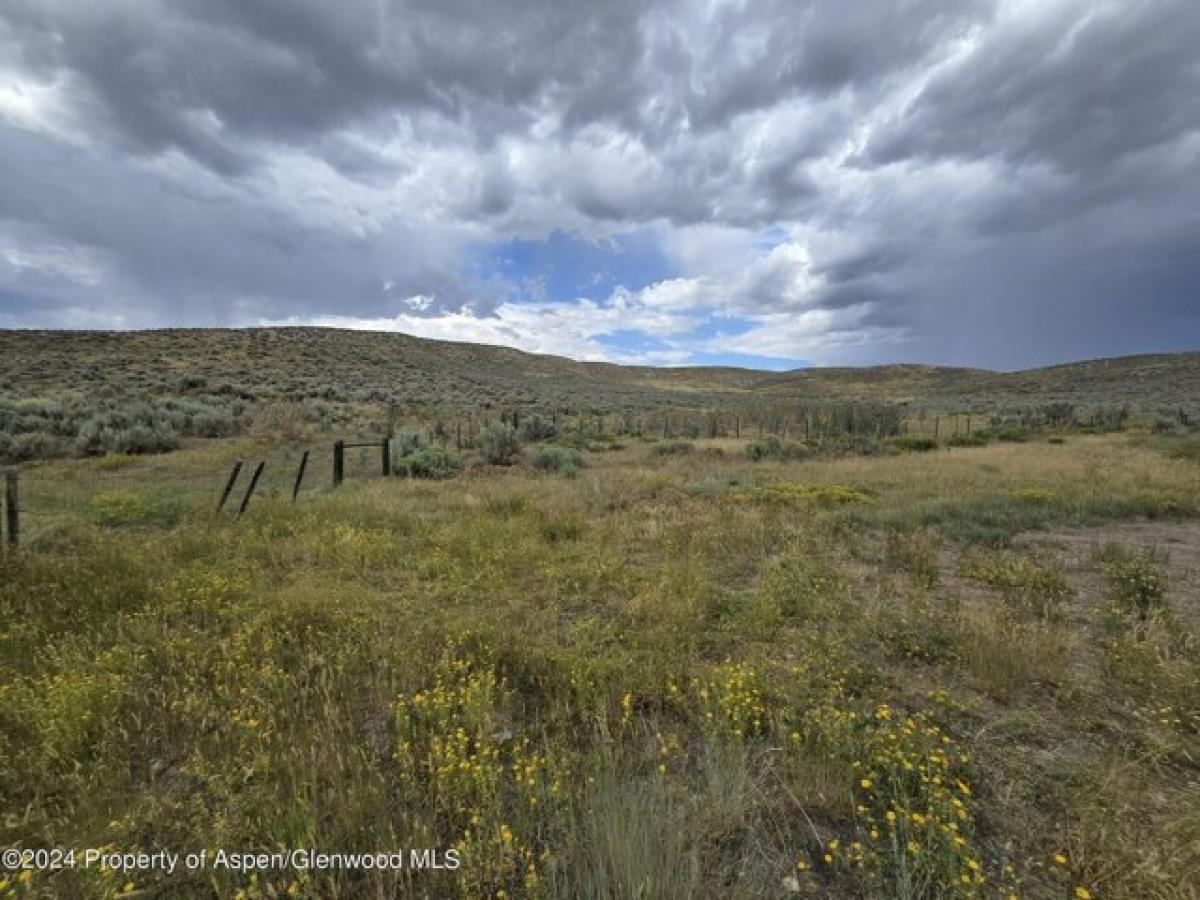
pixel 48 500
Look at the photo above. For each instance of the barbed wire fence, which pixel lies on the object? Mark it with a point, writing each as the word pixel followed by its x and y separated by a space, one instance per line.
pixel 37 501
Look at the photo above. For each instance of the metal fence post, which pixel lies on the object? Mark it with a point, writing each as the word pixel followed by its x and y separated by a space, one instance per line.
pixel 12 509
pixel 258 470
pixel 233 476
pixel 299 475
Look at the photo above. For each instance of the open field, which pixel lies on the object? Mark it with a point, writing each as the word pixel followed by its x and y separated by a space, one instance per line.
pixel 681 672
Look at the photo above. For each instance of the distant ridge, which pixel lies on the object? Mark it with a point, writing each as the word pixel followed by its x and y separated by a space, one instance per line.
pixel 296 363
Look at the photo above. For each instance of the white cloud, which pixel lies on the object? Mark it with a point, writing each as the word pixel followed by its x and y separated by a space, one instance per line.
pixel 39 106
pixel 560 329
pixel 72 263
pixel 773 295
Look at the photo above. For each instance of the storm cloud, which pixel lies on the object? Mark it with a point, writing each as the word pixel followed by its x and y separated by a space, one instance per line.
pixel 981 182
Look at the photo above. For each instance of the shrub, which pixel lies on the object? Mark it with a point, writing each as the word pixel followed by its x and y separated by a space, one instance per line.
pixel 144 439
pixel 559 529
pixel 773 447
pixel 967 440
pixel 1013 433
pixel 40 407
pixel 551 458
pixel 279 423
pixel 499 444
pixel 94 436
pixel 405 443
pixel 111 462
pixel 1184 448
pixel 432 462
pixel 575 439
pixel 213 424
pixel 673 448
pixel 536 428
pixel 1059 415
pixel 31 445
pixel 914 444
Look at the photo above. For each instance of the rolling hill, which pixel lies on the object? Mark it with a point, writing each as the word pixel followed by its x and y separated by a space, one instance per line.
pixel 357 367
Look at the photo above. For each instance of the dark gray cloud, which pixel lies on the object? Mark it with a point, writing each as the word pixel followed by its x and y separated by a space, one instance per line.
pixel 1073 86
pixel 206 76
pixel 999 182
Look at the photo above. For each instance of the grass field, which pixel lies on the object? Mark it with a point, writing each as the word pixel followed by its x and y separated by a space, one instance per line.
pixel 970 672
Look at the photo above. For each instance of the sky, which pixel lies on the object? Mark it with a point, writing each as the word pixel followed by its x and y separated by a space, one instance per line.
pixel 768 183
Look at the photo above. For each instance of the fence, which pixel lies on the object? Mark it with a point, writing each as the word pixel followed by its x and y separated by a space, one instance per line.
pixel 30 506
pixel 33 501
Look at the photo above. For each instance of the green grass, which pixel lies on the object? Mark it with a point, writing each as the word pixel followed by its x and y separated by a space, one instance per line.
pixel 672 675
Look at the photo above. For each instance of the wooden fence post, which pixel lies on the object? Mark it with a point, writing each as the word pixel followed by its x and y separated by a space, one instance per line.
pixel 386 448
pixel 339 463
pixel 229 482
pixel 258 470
pixel 12 509
pixel 299 475
pixel 737 427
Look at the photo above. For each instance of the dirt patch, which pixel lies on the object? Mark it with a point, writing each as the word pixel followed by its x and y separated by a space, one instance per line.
pixel 1175 544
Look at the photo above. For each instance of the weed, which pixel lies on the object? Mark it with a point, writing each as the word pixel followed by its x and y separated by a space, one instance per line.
pixel 827 495
pixel 804 586
pixel 1135 580
pixel 118 508
pixel 1030 588
pixel 914 552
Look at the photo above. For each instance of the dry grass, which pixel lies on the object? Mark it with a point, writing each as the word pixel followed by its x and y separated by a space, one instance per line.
pixel 668 676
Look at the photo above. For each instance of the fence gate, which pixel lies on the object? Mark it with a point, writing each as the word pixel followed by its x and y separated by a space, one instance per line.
pixel 339 457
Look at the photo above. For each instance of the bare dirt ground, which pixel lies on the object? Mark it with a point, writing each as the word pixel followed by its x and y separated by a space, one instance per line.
pixel 1175 545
